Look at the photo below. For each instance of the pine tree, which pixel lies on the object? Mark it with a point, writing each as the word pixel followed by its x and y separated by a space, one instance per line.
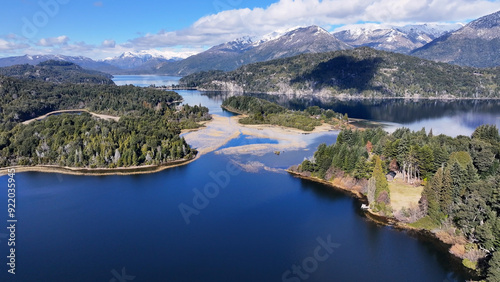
pixel 446 194
pixel 425 160
pixel 431 191
pixel 494 268
pixel 380 179
pixel 371 191
pixel 457 175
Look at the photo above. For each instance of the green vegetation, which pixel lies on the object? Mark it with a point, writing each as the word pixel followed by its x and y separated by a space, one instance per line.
pixel 147 132
pixel 461 177
pixel 382 199
pixel 361 72
pixel 22 100
pixel 424 223
pixel 260 111
pixel 57 72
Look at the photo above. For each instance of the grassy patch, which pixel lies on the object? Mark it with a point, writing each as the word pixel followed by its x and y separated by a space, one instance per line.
pixel 469 264
pixel 404 195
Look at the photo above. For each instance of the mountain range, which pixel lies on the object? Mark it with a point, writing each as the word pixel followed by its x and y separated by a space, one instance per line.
pixel 395 39
pixel 475 44
pixel 231 55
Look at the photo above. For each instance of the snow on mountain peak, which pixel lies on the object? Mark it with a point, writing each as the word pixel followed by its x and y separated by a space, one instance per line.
pixel 153 53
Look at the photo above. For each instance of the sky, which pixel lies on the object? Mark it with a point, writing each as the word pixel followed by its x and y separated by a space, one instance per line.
pixel 108 28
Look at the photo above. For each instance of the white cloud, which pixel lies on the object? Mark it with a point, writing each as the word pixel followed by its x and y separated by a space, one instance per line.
pixel 231 24
pixel 53 41
pixel 7 46
pixel 108 44
pixel 228 25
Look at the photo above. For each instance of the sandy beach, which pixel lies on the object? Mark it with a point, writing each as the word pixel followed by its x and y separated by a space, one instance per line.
pixel 221 130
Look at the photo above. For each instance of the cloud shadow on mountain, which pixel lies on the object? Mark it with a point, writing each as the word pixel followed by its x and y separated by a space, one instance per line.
pixel 343 72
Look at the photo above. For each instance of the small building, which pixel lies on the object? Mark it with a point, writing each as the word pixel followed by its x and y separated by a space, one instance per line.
pixel 390 176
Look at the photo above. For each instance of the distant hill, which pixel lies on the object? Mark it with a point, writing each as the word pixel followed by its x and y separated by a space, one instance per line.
pixel 143 62
pixel 477 44
pixel 231 55
pixel 395 39
pixel 362 72
pixel 57 72
pixel 84 62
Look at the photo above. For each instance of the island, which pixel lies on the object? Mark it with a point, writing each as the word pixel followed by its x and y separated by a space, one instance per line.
pixel 259 111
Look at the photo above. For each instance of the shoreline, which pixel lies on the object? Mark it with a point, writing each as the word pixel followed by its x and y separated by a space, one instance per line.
pixel 384 220
pixel 349 97
pixel 147 169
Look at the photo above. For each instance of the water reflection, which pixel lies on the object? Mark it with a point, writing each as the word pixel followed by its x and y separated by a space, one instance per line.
pixel 450 117
pixel 146 80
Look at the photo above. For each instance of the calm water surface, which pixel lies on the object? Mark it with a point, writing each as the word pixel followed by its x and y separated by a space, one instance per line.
pixel 245 226
pixel 442 116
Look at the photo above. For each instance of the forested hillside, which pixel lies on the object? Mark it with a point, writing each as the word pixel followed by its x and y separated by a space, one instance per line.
pixel 57 72
pixel 260 111
pixel 146 133
pixel 362 72
pixel 461 178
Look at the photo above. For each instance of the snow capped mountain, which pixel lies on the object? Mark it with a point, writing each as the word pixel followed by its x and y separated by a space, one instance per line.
pixel 238 45
pixel 476 44
pixel 153 53
pixel 392 38
pixel 273 35
pixel 311 39
pixel 146 58
pixel 430 29
pixel 246 50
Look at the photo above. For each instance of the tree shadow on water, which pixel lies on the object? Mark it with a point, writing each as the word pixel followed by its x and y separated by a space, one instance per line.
pixel 343 72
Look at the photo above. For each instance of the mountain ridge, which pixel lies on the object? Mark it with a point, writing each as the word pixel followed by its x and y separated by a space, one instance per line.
pixel 231 55
pixel 476 44
pixel 393 38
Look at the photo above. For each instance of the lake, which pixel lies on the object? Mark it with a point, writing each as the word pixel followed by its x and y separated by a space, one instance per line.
pixel 210 221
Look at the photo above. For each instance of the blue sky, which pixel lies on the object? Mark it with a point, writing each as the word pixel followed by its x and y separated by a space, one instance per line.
pixel 106 28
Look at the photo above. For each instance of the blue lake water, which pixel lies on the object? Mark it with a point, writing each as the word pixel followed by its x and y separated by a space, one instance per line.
pixel 208 221
pixel 145 80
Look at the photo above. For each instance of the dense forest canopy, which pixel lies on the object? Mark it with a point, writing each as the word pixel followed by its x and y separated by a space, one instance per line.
pixel 148 131
pixel 23 99
pixel 361 72
pixel 260 111
pixel 461 177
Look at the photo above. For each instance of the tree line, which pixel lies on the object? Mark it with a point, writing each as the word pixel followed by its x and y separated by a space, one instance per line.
pixel 461 177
